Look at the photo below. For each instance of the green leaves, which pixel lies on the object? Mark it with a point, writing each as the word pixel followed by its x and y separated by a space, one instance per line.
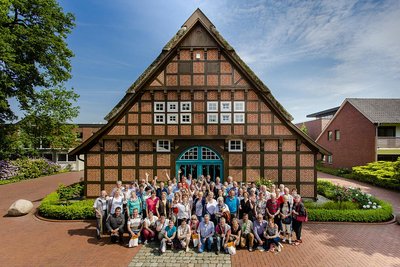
pixel 33 50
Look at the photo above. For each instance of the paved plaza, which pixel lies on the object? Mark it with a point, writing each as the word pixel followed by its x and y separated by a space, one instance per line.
pixel 28 241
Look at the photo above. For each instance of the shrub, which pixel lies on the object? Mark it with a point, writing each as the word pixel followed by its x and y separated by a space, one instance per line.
pixel 66 193
pixel 33 168
pixel 7 170
pixel 52 208
pixel 263 181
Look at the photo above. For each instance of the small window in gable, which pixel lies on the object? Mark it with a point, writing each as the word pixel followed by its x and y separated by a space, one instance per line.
pixel 172 106
pixel 212 118
pixel 235 146
pixel 159 107
pixel 186 106
pixel 172 118
pixel 186 118
pixel 238 118
pixel 159 118
pixel 226 106
pixel 238 106
pixel 212 106
pixel 226 118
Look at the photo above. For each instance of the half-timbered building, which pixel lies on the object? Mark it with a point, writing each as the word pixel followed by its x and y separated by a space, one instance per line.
pixel 199 108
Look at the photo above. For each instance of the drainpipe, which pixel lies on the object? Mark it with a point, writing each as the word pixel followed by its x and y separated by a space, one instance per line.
pixel 376 141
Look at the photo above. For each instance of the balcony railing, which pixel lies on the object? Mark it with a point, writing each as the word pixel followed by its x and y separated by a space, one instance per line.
pixel 388 142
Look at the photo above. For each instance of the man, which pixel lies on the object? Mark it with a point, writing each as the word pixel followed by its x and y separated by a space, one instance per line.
pixel 100 207
pixel 259 227
pixel 233 203
pixel 222 231
pixel 206 233
pixel 247 235
pixel 161 189
pixel 115 224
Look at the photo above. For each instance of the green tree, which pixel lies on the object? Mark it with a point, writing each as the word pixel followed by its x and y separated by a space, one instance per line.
pixel 33 50
pixel 304 129
pixel 48 119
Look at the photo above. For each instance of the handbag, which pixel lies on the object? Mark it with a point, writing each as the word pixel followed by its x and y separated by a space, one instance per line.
pixel 195 238
pixel 134 242
pixel 287 220
pixel 231 248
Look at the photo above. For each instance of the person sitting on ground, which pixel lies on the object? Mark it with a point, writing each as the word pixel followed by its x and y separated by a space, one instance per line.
pixel 286 219
pixel 115 225
pixel 247 235
pixel 100 207
pixel 236 233
pixel 222 234
pixel 134 225
pixel 206 231
pixel 161 224
pixel 271 235
pixel 169 236
pixel 259 227
pixel 149 227
pixel 184 234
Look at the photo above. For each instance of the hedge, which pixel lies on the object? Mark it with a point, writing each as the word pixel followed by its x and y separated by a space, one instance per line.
pixel 52 208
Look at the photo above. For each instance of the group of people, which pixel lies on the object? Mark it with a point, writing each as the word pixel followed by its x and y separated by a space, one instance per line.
pixel 201 212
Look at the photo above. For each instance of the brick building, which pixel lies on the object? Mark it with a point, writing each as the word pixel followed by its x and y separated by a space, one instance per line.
pixel 198 108
pixel 362 131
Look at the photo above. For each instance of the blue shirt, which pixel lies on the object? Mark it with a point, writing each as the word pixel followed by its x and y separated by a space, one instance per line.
pixel 232 204
pixel 206 230
pixel 170 231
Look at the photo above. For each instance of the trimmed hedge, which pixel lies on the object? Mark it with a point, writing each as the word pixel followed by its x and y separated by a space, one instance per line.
pixel 52 208
pixel 346 211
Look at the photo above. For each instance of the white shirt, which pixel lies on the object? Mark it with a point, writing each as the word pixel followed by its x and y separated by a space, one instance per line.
pixel 182 232
pixel 183 210
pixel 158 223
pixel 116 202
pixel 150 222
pixel 134 223
pixel 211 206
pixel 199 208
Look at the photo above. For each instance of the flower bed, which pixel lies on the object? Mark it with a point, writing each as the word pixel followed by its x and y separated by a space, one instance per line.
pixel 52 207
pixel 348 205
pixel 26 168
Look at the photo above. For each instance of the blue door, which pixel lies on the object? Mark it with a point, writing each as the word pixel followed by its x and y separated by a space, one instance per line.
pixel 200 160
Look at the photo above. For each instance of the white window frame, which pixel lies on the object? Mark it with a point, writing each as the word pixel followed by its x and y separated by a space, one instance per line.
pixel 159 103
pixel 228 109
pixel 169 116
pixel 186 114
pixel 186 103
pixel 161 148
pixel 330 160
pixel 226 122
pixel 209 115
pixel 240 108
pixel 236 116
pixel 169 109
pixel 161 116
pixel 209 109
pixel 230 149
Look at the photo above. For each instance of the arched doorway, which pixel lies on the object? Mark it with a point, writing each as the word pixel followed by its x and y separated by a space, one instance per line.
pixel 200 160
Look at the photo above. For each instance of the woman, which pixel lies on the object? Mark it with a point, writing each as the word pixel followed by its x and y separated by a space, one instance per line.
pixel 213 189
pixel 184 210
pixel 286 219
pixel 149 227
pixel 184 235
pixel 134 203
pixel 116 201
pixel 134 224
pixel 298 210
pixel 261 204
pixel 161 224
pixel 222 233
pixel 271 234
pixel 240 194
pixel 169 236
pixel 151 203
pixel 199 206
pixel 222 210
pixel 174 207
pixel 211 207
pixel 272 210
pixel 236 232
pixel 163 206
pixel 246 206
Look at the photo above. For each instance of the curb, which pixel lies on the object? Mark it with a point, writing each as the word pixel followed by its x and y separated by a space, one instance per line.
pixel 392 221
pixel 36 214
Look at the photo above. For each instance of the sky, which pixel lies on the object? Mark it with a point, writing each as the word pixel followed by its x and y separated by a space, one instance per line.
pixel 311 54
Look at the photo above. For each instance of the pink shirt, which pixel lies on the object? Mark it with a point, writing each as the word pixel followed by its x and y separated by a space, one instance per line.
pixel 152 205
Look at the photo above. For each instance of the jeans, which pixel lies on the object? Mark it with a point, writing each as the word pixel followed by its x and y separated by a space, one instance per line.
pixel 209 242
pixel 272 241
pixel 220 240
pixel 297 225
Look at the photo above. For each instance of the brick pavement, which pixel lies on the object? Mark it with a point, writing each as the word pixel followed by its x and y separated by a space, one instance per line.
pixel 28 241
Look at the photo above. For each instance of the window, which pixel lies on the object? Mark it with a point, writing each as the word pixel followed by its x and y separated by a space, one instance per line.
pixel 235 146
pixel 212 106
pixel 208 154
pixel 62 157
pixel 387 131
pixel 191 154
pixel 238 118
pixel 159 118
pixel 172 106
pixel 186 118
pixel 330 159
pixel 71 158
pixel 238 106
pixel 226 118
pixel 329 135
pixel 48 156
pixel 79 135
pixel 172 118
pixel 159 106
pixel 163 146
pixel 226 106
pixel 186 106
pixel 212 118
pixel 337 135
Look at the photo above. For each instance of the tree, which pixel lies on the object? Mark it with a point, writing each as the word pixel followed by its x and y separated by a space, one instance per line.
pixel 304 129
pixel 33 50
pixel 48 120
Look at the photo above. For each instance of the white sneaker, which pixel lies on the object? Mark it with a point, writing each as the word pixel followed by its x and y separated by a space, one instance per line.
pixel 187 249
pixel 279 248
pixel 145 242
pixel 260 248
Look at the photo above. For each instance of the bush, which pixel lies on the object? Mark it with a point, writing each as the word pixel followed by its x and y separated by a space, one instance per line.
pixel 263 181
pixel 7 170
pixel 52 208
pixel 66 193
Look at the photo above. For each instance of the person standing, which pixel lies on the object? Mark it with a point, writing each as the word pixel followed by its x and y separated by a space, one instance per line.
pixel 100 207
pixel 298 210
pixel 233 204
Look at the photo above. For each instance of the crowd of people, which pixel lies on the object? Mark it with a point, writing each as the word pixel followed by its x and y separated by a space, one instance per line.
pixel 201 213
